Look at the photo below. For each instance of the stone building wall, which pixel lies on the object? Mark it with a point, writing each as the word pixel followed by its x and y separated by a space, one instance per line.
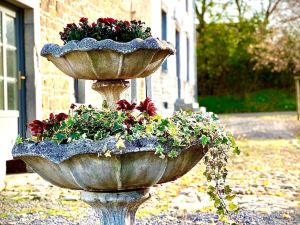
pixel 180 18
pixel 57 88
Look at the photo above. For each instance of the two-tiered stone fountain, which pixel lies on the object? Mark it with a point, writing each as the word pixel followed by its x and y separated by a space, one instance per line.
pixel 114 186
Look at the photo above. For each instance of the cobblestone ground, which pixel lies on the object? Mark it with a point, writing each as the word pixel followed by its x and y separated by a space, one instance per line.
pixel 266 177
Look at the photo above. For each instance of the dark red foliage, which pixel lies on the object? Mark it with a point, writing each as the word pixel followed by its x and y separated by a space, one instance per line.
pixel 107 20
pixel 130 121
pixel 105 28
pixel 73 106
pixel 83 20
pixel 141 120
pixel 71 25
pixel 60 117
pixel 51 116
pixel 147 106
pixel 37 127
pixel 127 24
pixel 124 105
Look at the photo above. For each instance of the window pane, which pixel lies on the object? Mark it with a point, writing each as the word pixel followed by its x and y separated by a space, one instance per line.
pixel 1 62
pixel 11 59
pixel 1 95
pixel 11 30
pixel 12 96
pixel 164 35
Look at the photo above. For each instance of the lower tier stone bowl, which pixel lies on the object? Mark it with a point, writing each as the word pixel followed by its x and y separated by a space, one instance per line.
pixel 99 166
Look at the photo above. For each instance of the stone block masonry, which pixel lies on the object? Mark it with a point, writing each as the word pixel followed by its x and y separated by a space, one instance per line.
pixel 57 88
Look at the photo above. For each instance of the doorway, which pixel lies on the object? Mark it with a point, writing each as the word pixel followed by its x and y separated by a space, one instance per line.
pixel 12 78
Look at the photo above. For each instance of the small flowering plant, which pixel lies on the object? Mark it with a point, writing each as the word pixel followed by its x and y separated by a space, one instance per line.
pixel 46 128
pixel 131 121
pixel 105 28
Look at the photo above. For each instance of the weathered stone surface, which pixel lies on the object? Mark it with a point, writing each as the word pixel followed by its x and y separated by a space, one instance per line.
pixel 85 164
pixel 90 59
pixel 51 23
pixel 58 153
pixel 111 91
pixel 117 208
pixel 89 44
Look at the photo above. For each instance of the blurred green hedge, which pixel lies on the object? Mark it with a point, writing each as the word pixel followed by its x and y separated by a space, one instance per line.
pixel 267 100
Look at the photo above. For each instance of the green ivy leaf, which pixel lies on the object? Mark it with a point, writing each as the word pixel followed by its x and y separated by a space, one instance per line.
pixel 83 136
pixel 214 117
pixel 116 127
pixel 85 117
pixel 19 140
pixel 204 139
pixel 159 149
pixel 60 137
pixel 217 202
pixel 69 121
pixel 232 206
pixel 74 135
pixel 62 125
pixel 120 143
pixel 162 139
pixel 197 131
pixel 220 211
pixel 227 190
pixel 225 140
pixel 236 150
pixel 230 197
pixel 173 154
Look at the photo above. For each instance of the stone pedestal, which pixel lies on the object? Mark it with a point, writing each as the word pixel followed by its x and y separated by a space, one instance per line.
pixel 111 90
pixel 116 208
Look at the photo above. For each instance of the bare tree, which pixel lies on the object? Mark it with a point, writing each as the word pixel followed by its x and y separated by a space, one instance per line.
pixel 278 47
pixel 271 8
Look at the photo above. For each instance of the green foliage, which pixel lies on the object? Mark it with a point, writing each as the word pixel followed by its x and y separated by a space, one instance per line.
pixel 105 28
pixel 178 132
pixel 19 140
pixel 231 56
pixel 223 60
pixel 268 100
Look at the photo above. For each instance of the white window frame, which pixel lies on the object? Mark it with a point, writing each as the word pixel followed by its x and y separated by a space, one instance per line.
pixel 32 54
pixel 5 11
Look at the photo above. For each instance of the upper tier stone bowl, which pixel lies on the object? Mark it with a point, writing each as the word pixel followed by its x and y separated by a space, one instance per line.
pixel 90 59
pixel 82 165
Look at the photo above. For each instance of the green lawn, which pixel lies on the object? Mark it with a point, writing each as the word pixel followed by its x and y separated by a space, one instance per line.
pixel 268 100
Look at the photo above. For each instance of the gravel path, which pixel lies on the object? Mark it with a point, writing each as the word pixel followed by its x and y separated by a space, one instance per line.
pixel 265 177
pixel 247 218
pixel 282 125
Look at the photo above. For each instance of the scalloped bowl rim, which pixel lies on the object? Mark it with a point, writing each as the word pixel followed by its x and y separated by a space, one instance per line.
pixel 58 153
pixel 90 44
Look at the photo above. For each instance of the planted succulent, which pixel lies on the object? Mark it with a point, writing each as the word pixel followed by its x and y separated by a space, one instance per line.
pixel 131 122
pixel 105 28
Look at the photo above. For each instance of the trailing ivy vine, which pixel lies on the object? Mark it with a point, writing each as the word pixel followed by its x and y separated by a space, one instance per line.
pixel 131 122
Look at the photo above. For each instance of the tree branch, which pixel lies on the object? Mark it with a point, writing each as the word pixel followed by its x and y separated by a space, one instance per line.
pixel 201 16
pixel 239 7
pixel 271 9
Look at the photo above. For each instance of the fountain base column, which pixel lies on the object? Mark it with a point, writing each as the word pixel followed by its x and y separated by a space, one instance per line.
pixel 111 90
pixel 116 208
